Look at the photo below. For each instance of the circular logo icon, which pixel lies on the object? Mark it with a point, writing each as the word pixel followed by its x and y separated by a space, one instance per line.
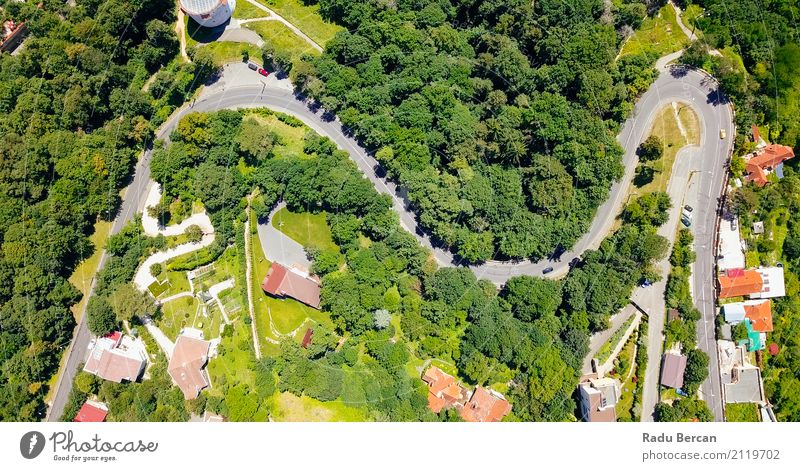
pixel 31 445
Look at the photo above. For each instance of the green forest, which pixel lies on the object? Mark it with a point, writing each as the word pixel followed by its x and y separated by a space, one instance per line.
pixel 534 331
pixel 74 116
pixel 499 117
pixel 759 61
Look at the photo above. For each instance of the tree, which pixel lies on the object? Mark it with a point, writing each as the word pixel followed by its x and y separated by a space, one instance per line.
pixel 382 318
pixel 651 149
pixel 532 298
pixel 87 383
pixel 127 302
pixel 194 234
pixel 102 319
pixel 255 140
pixel 696 370
pixel 155 269
pixel 325 261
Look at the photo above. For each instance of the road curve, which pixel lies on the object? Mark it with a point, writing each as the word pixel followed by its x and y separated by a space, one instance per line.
pixel 690 86
pixel 693 87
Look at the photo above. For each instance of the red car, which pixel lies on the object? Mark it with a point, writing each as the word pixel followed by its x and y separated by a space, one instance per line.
pixel 263 72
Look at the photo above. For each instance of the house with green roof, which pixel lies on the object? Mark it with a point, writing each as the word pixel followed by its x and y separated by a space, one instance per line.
pixel 755 340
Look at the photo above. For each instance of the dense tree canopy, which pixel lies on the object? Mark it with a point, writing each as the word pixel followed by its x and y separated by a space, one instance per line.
pixel 73 117
pixel 499 117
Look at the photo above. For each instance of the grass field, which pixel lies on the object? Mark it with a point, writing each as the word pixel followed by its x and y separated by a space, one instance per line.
pixel 660 34
pixel 746 412
pixel 666 127
pixel 84 273
pixel 291 138
pixel 226 52
pixel 628 387
pixel 306 18
pixel 177 314
pixel 607 349
pixel 246 10
pixel 282 38
pixel 286 407
pixel 286 314
pixel 307 229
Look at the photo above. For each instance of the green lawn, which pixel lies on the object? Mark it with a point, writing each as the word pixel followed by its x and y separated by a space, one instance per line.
pixel 84 273
pixel 660 34
pixel 746 412
pixel 286 407
pixel 290 145
pixel 226 52
pixel 176 282
pixel 246 10
pixel 608 348
pixel 282 38
pixel 306 18
pixel 308 229
pixel 177 314
pixel 666 127
pixel 286 314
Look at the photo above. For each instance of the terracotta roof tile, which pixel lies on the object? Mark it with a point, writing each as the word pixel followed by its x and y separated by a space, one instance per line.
pixel 485 406
pixel 186 367
pixel 91 412
pixel 284 281
pixel 739 283
pixel 760 315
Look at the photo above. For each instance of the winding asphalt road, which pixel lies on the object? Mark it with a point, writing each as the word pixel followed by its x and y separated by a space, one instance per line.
pixel 692 87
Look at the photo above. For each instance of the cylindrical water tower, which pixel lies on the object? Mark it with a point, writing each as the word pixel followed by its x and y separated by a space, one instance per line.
pixel 209 13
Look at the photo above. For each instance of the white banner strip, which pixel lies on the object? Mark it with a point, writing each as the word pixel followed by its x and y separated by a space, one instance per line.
pixel 209 446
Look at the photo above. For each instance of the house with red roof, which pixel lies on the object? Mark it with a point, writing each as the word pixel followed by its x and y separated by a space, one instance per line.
pixel 282 281
pixel 92 411
pixel 443 390
pixel 760 314
pixel 769 159
pixel 485 405
pixel 187 365
pixel 739 282
pixel 116 357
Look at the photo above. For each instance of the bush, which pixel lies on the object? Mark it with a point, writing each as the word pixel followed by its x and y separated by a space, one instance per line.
pixel 194 234
pixel 156 269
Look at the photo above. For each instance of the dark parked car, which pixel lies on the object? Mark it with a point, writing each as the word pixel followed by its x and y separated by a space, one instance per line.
pixel 263 72
pixel 688 208
pixel 252 66
pixel 547 270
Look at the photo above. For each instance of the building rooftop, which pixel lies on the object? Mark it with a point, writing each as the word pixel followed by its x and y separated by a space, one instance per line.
pixel 734 312
pixel 186 366
pixel 285 281
pixel 599 397
pixel 738 282
pixel 755 340
pixel 741 380
pixel 485 405
pixel 766 160
pixel 672 369
pixel 760 314
pixel 92 411
pixel 773 283
pixel 443 390
pixel 117 358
